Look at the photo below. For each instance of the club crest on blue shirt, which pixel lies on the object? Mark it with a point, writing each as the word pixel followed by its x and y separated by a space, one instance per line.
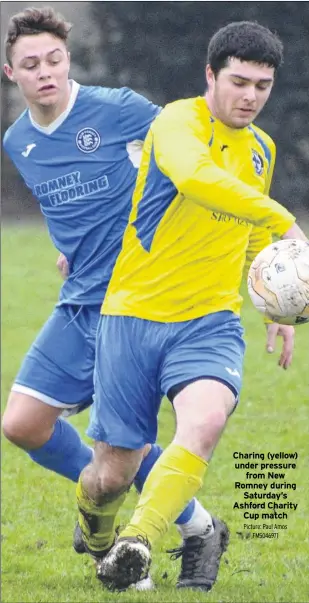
pixel 257 162
pixel 88 140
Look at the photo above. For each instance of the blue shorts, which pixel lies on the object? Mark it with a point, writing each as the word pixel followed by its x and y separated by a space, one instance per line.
pixel 138 361
pixel 58 368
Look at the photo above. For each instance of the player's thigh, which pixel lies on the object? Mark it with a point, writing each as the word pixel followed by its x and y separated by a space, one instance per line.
pixel 202 409
pixel 127 399
pixel 58 368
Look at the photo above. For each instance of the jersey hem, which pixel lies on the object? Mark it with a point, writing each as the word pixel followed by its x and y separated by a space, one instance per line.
pixel 170 319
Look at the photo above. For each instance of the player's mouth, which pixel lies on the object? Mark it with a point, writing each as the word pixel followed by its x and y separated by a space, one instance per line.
pixel 246 111
pixel 47 88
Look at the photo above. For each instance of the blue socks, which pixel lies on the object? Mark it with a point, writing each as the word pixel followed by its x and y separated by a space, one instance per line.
pixel 64 453
pixel 142 474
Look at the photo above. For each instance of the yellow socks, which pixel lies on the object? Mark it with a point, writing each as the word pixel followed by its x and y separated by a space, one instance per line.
pixel 97 522
pixel 175 478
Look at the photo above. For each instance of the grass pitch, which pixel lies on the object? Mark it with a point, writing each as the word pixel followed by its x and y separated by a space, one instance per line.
pixel 38 507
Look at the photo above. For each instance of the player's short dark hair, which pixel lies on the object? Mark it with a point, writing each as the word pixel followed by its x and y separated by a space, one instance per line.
pixel 247 41
pixel 33 21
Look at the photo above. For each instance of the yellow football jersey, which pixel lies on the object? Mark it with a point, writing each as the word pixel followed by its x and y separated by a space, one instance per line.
pixel 200 189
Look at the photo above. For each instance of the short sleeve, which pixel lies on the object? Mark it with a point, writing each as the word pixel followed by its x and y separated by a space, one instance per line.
pixel 136 115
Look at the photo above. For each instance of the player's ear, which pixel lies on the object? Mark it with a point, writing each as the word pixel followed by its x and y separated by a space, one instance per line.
pixel 9 72
pixel 210 76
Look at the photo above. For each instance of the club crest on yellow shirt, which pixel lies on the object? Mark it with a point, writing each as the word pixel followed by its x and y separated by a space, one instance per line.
pixel 257 162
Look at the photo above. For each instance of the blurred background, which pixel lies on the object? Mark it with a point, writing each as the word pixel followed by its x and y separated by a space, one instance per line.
pixel 159 49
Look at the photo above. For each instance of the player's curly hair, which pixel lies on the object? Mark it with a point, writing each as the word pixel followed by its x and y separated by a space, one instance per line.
pixel 247 41
pixel 33 21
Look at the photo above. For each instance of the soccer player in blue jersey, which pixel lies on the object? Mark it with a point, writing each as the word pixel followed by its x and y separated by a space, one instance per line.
pixel 170 319
pixel 77 149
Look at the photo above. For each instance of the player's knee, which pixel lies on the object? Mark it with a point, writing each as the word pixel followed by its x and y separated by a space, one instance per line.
pixel 112 471
pixel 14 430
pixel 27 422
pixel 201 434
pixel 116 479
pixel 20 434
pixel 20 431
pixel 101 485
pixel 213 422
pixel 113 486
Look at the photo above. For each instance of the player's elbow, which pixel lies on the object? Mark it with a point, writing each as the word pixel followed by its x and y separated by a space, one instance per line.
pixel 185 185
pixel 192 183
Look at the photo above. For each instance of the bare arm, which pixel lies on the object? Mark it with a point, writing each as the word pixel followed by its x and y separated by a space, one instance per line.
pixel 63 266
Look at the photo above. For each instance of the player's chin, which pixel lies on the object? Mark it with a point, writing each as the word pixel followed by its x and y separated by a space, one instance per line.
pixel 48 96
pixel 48 101
pixel 243 121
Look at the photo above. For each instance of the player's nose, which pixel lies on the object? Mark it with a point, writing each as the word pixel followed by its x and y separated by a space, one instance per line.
pixel 250 94
pixel 44 71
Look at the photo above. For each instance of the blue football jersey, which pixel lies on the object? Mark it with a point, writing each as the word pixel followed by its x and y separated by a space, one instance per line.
pixel 83 174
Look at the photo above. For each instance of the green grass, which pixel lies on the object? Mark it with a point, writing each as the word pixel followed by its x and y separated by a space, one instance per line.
pixel 38 507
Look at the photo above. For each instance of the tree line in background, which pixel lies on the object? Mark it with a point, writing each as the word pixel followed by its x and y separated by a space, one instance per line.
pixel 159 49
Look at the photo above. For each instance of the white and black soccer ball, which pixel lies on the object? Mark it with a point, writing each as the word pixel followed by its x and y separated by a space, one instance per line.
pixel 278 282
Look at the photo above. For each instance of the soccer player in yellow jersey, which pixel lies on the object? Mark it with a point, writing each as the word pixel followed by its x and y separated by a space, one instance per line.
pixel 170 321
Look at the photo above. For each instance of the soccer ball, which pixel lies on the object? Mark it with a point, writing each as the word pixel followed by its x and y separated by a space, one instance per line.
pixel 278 282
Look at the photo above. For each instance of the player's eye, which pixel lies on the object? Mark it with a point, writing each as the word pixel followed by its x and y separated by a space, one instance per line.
pixel 238 84
pixel 29 67
pixel 262 86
